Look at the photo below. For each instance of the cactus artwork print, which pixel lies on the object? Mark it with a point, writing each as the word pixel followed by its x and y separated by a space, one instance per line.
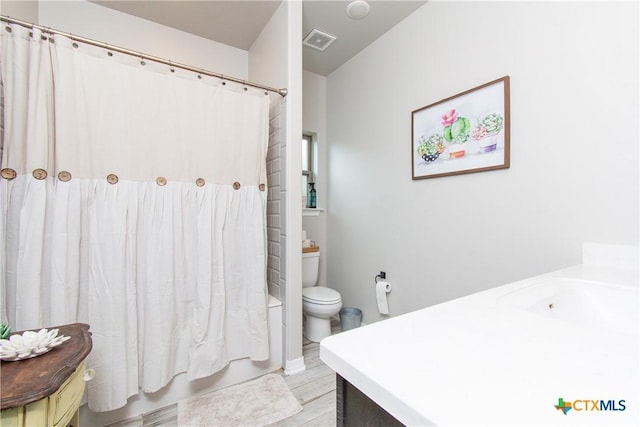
pixel 468 132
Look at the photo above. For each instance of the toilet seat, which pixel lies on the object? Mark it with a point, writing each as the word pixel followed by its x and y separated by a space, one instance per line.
pixel 320 295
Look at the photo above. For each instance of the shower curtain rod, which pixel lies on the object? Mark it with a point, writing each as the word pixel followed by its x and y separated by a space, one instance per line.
pixel 281 92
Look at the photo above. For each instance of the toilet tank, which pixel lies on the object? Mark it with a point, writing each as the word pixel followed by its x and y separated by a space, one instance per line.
pixel 310 268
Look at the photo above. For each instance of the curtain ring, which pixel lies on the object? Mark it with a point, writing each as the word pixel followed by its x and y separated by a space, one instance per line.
pixel 64 176
pixel 236 185
pixel 8 173
pixel 39 174
pixel 173 70
pixel 262 187
pixel 200 182
pixel 112 178
pixel 161 181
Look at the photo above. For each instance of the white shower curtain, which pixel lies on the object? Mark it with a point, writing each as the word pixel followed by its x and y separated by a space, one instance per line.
pixel 167 265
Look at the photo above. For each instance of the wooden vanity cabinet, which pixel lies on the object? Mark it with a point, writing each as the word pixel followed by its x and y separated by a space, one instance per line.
pixel 46 390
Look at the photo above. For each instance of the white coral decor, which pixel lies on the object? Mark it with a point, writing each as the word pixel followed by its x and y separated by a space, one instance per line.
pixel 30 344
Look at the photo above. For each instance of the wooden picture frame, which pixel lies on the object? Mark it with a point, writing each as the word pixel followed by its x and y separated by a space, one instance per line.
pixel 464 133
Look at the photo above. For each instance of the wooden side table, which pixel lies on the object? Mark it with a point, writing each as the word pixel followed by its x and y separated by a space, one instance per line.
pixel 46 390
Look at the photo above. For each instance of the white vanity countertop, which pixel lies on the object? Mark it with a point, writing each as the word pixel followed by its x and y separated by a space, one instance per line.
pixel 478 361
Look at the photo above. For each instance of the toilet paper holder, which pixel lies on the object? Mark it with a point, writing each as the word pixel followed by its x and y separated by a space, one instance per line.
pixel 382 289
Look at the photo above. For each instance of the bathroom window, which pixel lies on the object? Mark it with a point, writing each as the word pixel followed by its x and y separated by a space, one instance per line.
pixel 307 163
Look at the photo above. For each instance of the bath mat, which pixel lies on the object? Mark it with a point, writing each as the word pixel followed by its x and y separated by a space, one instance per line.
pixel 256 403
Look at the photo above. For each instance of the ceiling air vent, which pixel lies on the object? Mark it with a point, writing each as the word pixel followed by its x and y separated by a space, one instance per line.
pixel 318 40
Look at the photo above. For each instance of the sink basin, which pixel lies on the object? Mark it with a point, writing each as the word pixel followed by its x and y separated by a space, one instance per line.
pixel 589 304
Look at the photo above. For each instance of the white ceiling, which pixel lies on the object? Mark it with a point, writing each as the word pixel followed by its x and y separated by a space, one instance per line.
pixel 238 23
pixel 352 35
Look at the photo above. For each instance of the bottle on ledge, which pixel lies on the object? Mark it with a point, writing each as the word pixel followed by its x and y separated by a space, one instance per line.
pixel 311 196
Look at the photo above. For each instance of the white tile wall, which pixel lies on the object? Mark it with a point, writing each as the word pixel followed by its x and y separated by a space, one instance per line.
pixel 283 217
pixel 275 203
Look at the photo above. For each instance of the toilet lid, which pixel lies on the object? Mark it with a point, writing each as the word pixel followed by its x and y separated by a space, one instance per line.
pixel 320 295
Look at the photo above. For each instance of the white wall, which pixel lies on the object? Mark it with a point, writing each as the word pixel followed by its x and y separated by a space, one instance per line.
pixel 24 10
pixel 574 150
pixel 314 121
pixel 275 59
pixel 110 26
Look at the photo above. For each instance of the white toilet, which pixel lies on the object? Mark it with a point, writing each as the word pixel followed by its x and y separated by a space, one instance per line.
pixel 319 303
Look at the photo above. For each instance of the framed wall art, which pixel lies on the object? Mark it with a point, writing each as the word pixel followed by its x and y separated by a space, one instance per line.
pixel 465 133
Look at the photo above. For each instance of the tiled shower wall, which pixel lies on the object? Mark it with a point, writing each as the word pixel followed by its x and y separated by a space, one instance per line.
pixel 276 218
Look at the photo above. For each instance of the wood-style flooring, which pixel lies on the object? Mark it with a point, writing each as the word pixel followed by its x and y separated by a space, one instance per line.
pixel 315 389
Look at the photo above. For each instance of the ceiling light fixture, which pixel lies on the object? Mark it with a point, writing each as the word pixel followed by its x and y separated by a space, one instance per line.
pixel 357 9
pixel 318 40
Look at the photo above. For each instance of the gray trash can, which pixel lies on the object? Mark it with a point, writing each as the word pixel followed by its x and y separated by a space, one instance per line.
pixel 350 317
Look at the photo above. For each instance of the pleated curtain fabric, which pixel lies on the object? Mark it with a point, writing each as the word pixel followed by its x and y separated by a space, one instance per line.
pixel 150 224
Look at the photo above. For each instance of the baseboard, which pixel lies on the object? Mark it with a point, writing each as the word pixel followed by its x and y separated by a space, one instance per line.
pixel 292 367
